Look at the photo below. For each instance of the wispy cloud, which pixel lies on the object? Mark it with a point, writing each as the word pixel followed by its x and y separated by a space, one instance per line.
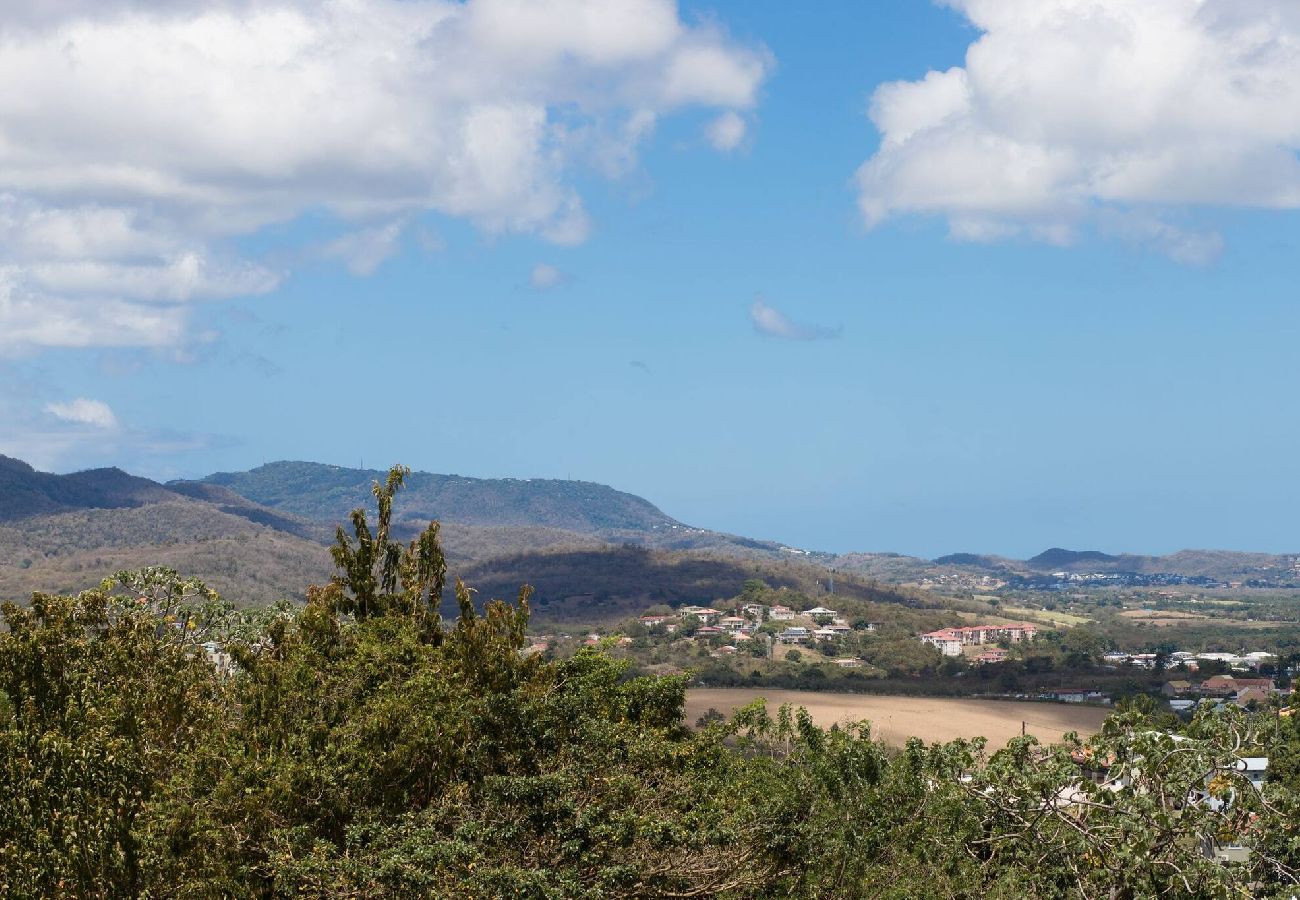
pixel 726 131
pixel 772 322
pixel 544 277
pixel 365 250
pixel 84 411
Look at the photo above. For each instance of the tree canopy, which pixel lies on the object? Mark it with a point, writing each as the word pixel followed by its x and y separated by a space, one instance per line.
pixel 359 746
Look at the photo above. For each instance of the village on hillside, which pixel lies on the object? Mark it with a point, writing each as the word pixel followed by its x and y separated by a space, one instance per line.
pixel 820 636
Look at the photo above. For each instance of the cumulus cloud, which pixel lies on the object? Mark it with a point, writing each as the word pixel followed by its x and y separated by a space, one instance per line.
pixel 1071 111
pixel 150 138
pixel 545 276
pixel 772 322
pixel 83 411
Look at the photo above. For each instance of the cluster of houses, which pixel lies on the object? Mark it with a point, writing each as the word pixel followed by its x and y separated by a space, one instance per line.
pixel 953 641
pixel 743 622
pixel 1184 694
pixel 1191 661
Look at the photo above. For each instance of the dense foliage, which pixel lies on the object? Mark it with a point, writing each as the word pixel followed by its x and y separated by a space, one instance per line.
pixel 362 747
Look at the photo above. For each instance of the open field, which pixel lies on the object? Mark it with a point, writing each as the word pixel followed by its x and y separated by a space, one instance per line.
pixel 1056 617
pixel 1153 614
pixel 897 718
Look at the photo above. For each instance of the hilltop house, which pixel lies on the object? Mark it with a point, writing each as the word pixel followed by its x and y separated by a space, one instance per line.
pixel 703 613
pixel 795 634
pixel 819 611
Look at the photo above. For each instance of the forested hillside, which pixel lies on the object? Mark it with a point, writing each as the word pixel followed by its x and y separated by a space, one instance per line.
pixel 329 493
pixel 156 742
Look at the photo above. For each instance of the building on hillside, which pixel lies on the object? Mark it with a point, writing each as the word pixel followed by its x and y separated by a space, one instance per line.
pixel 1176 688
pixel 819 611
pixel 948 641
pixel 780 614
pixel 795 634
pixel 849 663
pixel 1249 695
pixel 656 621
pixel 974 635
pixel 996 655
pixel 703 613
pixel 732 623
pixel 754 611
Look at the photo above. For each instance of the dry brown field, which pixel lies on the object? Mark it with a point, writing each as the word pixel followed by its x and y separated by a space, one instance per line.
pixel 895 719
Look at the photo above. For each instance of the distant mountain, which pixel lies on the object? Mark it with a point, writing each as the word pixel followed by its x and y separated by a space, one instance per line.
pixel 26 492
pixel 1057 558
pixel 324 493
pixel 260 536
pixel 977 560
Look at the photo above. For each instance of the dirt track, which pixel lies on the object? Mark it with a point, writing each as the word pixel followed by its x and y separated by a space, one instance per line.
pixel 930 718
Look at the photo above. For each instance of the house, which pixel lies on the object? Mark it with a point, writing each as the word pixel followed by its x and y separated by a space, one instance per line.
pixel 825 634
pixel 871 626
pixel 1227 847
pixel 819 611
pixel 838 628
pixel 754 611
pixel 1228 686
pixel 1176 688
pixel 793 635
pixel 219 656
pixel 1249 695
pixel 995 655
pixel 703 613
pixel 947 640
pixel 1179 706
pixel 655 621
pixel 780 614
pixel 849 663
pixel 732 623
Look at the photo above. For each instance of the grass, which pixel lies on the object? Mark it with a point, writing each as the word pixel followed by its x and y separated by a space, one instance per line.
pixel 1056 617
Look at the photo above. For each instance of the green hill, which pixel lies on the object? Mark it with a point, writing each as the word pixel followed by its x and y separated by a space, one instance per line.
pixel 325 493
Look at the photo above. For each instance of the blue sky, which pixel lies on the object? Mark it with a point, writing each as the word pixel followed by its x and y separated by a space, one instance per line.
pixel 950 358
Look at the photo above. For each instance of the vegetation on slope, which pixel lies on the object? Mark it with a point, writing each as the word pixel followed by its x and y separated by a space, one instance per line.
pixel 361 747
pixel 329 493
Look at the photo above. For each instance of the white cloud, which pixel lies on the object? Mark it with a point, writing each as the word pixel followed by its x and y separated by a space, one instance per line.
pixel 1068 112
pixel 726 131
pixel 84 412
pixel 545 276
pixel 364 251
pixel 149 138
pixel 772 322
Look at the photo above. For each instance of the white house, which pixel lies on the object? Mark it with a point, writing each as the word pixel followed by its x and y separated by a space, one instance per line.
pixel 780 613
pixel 793 635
